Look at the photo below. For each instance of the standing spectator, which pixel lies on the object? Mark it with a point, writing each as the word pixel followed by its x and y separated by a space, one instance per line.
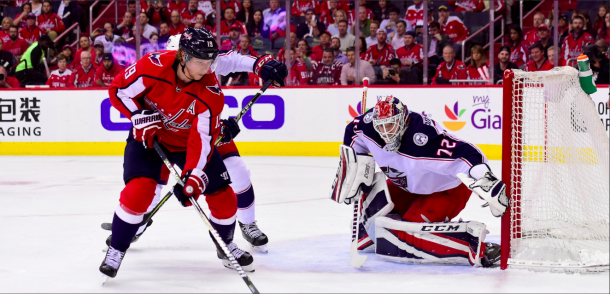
pixel 31 33
pixel 7 60
pixel 340 15
pixel 389 25
pixel 452 26
pixel 450 69
pixel 98 48
pixel 233 4
pixel 145 28
pixel 107 40
pixel 230 22
pixel 67 52
pixel 327 72
pixel 105 74
pixel 335 44
pixel 274 18
pixel 414 13
pixel 317 51
pixel 233 40
pixel 381 53
pixel 539 62
pixel 365 24
pixel 518 50
pixel 574 42
pixel 382 11
pixel 467 5
pixel 20 21
pixel 245 14
pixel 245 47
pixel 6 24
pixel 257 27
pixel 156 13
pixel 189 15
pixel 411 53
pixel 16 45
pixel 372 39
pixel 395 75
pixel 348 71
pixel 298 70
pixel 347 39
pixel 84 75
pixel 176 26
pixel 7 82
pixel 124 28
pixel 351 14
pixel 311 27
pixel 164 33
pixel 59 78
pixel 177 5
pixel 532 36
pixel 436 42
pixel 478 61
pixel 50 22
pixel 397 38
pixel 32 70
pixel 328 14
pixel 299 8
pixel 504 64
pixel 85 45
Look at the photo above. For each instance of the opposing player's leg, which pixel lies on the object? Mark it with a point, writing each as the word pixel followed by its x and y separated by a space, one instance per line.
pixel 242 185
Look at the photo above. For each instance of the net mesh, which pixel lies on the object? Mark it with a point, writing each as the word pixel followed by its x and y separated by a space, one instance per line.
pixel 559 174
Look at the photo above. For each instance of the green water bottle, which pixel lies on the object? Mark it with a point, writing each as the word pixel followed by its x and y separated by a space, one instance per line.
pixel 586 75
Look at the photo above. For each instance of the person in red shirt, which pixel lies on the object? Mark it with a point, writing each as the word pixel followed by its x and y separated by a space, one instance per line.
pixel 415 12
pixel 236 5
pixel 329 6
pixel 539 62
pixel 316 51
pixel 468 5
pixel 299 8
pixel 450 69
pixel 7 82
pixel 176 27
pixel 298 71
pixel 381 53
pixel 518 50
pixel 84 75
pixel 60 77
pixel 327 13
pixel 574 42
pixel 157 13
pixel 478 61
pixel 85 46
pixel 177 5
pixel 410 53
pixel 31 33
pixel 6 24
pixel 17 46
pixel 105 74
pixel 233 40
pixel 50 22
pixel 190 15
pixel 229 22
pixel 452 26
pixel 327 72
pixel 351 15
pixel 532 35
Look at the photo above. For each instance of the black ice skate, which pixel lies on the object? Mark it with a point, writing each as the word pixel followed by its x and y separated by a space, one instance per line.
pixel 244 258
pixel 135 238
pixel 257 239
pixel 112 262
pixel 492 255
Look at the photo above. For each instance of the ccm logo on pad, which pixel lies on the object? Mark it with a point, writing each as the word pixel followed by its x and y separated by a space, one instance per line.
pixel 440 228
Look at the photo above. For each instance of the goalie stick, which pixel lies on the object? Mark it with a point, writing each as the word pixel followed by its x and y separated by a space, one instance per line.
pixel 108 226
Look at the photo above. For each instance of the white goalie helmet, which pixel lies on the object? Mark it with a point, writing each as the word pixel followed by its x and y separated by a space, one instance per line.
pixel 389 120
pixel 173 43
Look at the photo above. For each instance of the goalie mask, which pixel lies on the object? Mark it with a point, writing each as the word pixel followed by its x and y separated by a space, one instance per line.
pixel 389 120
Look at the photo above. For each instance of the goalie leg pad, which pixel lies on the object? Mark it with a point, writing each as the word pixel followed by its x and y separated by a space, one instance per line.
pixel 450 242
pixel 376 202
pixel 354 170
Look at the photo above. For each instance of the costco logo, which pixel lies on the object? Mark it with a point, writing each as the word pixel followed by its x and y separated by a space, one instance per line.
pixel 454 124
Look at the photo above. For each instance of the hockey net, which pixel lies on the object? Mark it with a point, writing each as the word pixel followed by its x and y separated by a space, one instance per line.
pixel 557 174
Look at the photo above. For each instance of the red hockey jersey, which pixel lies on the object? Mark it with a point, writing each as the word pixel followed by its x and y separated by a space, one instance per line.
pixel 82 78
pixel 519 54
pixel 571 48
pixel 453 72
pixel 107 76
pixel 531 66
pixel 382 56
pixel 176 30
pixel 455 29
pixel 322 74
pixel 298 73
pixel 225 28
pixel 414 54
pixel 236 5
pixel 188 16
pixel 325 6
pixel 16 48
pixel 31 35
pixel 181 6
pixel 414 14
pixel 472 72
pixel 51 21
pixel 59 79
pixel 465 5
pixel 300 7
pixel 4 35
pixel 530 37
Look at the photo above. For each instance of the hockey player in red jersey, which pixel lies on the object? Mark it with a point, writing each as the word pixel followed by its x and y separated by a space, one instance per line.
pixel 175 98
pixel 427 177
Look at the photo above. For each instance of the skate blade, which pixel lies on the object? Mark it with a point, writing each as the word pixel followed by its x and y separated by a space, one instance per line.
pixel 262 248
pixel 247 268
pixel 105 279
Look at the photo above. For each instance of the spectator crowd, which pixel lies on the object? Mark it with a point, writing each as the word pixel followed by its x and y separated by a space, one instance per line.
pixel 327 42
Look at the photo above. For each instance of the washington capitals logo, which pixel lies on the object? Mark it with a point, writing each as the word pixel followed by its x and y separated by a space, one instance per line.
pixel 214 89
pixel 396 177
pixel 154 58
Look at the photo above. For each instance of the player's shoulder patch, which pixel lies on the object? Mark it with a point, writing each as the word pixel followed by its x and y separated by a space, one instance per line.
pixel 368 118
pixel 420 139
pixel 461 66
pixel 154 58
pixel 214 89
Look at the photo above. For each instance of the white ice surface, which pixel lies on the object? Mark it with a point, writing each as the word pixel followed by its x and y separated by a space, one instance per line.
pixel 51 209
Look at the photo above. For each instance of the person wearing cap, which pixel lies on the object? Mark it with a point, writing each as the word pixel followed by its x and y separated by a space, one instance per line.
pixel 532 35
pixel 15 45
pixel 105 74
pixel 50 22
pixel 410 53
pixel 233 40
pixel 32 70
pixel 99 49
pixel 380 55
pixel 539 61
pixel 563 27
pixel 31 33
pixel 317 51
pixel 176 26
pixel 452 26
pixel 544 35
pixel 230 22
pixel 503 64
pixel 59 78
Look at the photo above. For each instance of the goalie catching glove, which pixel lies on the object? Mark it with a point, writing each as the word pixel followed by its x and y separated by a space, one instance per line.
pixel 195 182
pixel 354 171
pixel 487 187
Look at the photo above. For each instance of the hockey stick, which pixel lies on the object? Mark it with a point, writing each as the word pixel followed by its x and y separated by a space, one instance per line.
pixel 108 226
pixel 206 220
pixel 365 84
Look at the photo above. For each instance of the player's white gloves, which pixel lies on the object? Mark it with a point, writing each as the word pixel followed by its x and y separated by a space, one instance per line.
pixel 488 187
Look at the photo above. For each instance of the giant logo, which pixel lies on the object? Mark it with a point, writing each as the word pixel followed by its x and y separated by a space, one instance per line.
pixel 454 124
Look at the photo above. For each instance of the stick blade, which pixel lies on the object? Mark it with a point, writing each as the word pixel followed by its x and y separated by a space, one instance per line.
pixel 356 260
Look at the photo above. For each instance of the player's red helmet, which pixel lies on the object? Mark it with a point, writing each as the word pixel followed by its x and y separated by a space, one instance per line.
pixel 389 119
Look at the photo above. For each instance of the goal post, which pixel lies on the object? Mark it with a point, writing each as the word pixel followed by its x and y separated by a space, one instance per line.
pixel 555 165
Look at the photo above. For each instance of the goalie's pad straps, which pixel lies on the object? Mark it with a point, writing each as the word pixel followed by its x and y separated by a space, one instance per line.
pixel 405 242
pixel 353 171
pixel 375 203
